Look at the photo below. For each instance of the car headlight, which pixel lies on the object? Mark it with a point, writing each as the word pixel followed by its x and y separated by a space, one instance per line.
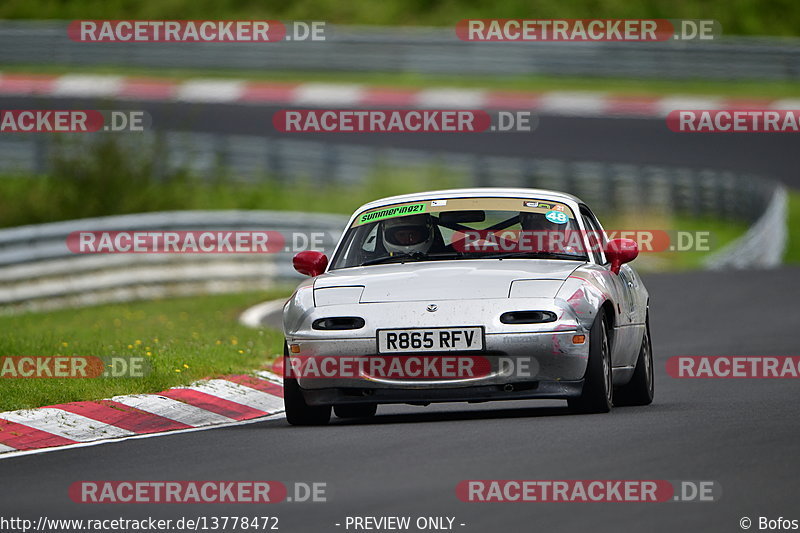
pixel 338 295
pixel 535 288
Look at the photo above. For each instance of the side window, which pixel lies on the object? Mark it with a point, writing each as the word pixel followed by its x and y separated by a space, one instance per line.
pixel 371 240
pixel 596 236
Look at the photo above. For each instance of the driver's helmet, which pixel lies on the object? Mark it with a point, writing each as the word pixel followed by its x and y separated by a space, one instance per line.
pixel 408 235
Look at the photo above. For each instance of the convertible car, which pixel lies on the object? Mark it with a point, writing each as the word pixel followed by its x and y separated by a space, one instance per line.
pixel 467 295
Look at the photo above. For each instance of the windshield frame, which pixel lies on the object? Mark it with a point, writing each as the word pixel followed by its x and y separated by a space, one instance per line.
pixel 574 206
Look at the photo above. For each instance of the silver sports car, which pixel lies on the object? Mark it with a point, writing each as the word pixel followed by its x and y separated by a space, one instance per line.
pixel 467 295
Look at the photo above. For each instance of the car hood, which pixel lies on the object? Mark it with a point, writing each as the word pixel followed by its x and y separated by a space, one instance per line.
pixel 443 280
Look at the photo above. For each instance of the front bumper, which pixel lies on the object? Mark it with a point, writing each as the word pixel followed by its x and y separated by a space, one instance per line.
pixel 556 390
pixel 535 358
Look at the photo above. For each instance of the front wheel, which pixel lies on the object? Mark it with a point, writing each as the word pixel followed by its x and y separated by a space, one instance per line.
pixel 597 395
pixel 298 412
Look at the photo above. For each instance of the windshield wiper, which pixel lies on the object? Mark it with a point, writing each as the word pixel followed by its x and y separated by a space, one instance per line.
pixel 385 259
pixel 533 255
pixel 416 256
pixel 445 255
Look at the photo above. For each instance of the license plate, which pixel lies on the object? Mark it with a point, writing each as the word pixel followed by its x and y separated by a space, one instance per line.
pixel 430 340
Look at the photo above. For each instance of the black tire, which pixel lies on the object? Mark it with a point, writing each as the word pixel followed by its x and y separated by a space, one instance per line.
pixel 640 389
pixel 364 410
pixel 298 412
pixel 598 391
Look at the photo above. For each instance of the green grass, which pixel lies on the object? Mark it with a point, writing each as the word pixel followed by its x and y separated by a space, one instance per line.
pixel 753 17
pixel 721 232
pixel 714 232
pixel 768 89
pixel 110 179
pixel 792 255
pixel 34 200
pixel 184 339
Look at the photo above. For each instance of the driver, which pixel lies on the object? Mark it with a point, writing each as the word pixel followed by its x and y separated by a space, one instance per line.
pixel 408 235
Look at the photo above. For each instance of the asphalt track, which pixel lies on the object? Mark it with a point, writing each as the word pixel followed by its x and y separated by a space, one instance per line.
pixel 742 434
pixel 630 140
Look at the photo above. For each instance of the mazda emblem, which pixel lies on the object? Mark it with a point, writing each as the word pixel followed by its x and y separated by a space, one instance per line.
pixel 432 308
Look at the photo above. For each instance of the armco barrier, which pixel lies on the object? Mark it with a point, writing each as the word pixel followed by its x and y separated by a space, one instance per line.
pixel 38 271
pixel 609 186
pixel 764 243
pixel 418 50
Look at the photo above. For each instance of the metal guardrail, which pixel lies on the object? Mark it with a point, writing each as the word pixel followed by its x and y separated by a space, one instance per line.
pixel 38 271
pixel 610 186
pixel 418 50
pixel 764 243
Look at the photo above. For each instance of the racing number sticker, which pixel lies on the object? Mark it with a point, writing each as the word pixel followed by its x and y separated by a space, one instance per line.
pixel 556 217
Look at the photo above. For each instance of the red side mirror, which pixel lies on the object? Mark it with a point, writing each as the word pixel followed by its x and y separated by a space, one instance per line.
pixel 310 263
pixel 621 251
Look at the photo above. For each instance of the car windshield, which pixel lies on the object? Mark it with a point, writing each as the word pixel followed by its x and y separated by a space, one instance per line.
pixel 462 228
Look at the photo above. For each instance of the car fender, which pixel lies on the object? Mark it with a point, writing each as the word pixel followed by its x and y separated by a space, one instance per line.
pixel 586 291
pixel 298 306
